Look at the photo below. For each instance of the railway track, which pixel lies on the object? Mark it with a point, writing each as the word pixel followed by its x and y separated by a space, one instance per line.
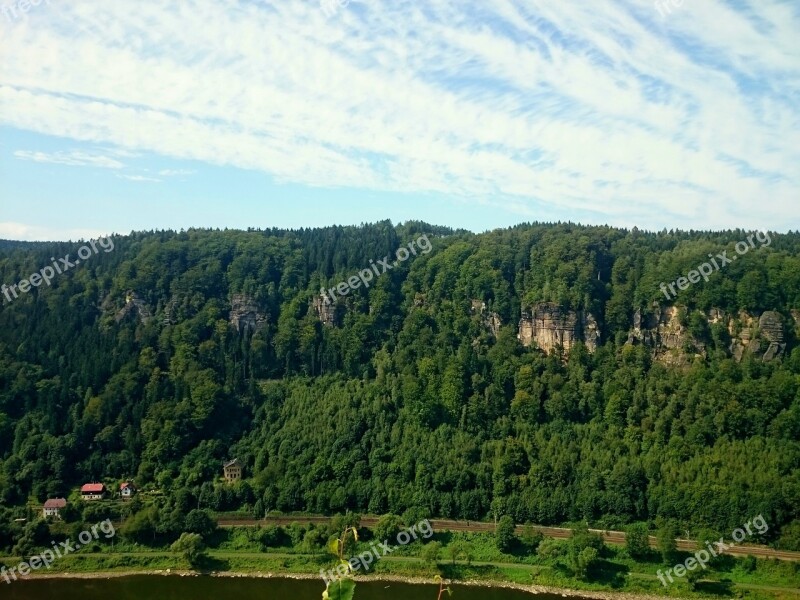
pixel 610 537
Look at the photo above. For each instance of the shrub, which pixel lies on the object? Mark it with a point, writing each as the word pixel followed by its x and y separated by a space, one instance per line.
pixel 505 534
pixel 637 540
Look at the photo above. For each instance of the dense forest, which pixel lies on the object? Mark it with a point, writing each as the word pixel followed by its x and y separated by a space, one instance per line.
pixel 176 351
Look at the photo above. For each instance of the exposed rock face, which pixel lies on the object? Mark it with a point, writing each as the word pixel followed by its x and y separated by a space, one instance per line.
pixel 169 317
pixel 771 327
pixel 763 339
pixel 591 333
pixel 327 311
pixel 661 330
pixel 134 305
pixel 550 326
pixel 244 315
pixel 673 344
pixel 714 316
pixel 491 320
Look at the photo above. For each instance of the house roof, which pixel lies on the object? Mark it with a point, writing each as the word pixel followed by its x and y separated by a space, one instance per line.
pixel 232 463
pixel 55 503
pixel 126 484
pixel 93 488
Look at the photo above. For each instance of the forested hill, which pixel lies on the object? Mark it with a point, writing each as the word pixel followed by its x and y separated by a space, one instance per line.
pixel 537 371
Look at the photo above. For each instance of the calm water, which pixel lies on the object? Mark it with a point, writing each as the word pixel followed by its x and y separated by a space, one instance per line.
pixel 210 588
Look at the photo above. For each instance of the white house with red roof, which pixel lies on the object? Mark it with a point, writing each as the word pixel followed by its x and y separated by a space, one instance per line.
pixel 93 491
pixel 127 490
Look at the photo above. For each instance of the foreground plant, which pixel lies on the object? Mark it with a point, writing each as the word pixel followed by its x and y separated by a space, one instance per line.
pixel 442 588
pixel 344 586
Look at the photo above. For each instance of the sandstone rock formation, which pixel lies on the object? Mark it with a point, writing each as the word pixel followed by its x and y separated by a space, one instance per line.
pixel 327 311
pixel 244 315
pixel 662 331
pixel 763 339
pixel 491 320
pixel 771 326
pixel 134 305
pixel 550 326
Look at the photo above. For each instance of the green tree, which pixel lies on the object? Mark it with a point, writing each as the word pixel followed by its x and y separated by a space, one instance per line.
pixel 667 545
pixel 581 561
pixel 191 547
pixel 790 537
pixel 431 552
pixel 387 527
pixel 637 540
pixel 141 527
pixel 314 540
pixel 504 536
pixel 454 551
pixel 531 538
pixel 200 522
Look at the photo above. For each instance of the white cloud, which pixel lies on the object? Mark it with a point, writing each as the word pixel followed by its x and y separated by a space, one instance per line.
pixel 176 172
pixel 19 231
pixel 601 109
pixel 138 178
pixel 74 158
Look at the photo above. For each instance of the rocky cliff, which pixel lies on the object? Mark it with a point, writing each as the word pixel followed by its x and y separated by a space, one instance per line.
pixel 134 305
pixel 763 338
pixel 244 315
pixel 327 311
pixel 490 320
pixel 672 343
pixel 662 331
pixel 549 326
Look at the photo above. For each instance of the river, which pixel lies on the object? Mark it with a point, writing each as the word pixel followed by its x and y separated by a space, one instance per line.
pixel 149 587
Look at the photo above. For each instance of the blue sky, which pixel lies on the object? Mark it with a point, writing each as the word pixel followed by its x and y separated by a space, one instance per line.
pixel 120 116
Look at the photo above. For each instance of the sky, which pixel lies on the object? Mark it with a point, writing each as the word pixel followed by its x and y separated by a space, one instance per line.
pixel 139 115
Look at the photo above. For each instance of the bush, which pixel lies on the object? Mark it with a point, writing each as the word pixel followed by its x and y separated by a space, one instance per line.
pixel 271 537
pixel 531 538
pixel 550 549
pixel 315 540
pixel 749 563
pixel 582 538
pixel 667 544
pixel 191 546
pixel 387 527
pixel 505 534
pixel 790 535
pixel 637 540
pixel 431 552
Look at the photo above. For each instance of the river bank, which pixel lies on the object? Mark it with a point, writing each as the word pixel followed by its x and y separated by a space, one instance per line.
pixel 531 589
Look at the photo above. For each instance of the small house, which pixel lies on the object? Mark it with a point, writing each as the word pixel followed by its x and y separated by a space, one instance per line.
pixel 93 491
pixel 53 506
pixel 127 490
pixel 232 470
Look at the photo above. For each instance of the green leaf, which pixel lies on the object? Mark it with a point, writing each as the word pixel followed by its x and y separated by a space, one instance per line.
pixel 341 589
pixel 333 546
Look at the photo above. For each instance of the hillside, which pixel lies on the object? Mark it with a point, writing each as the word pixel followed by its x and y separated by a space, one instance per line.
pixel 538 371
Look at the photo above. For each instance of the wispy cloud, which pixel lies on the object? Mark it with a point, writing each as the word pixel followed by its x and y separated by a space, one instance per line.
pixel 605 110
pixel 138 178
pixel 176 172
pixel 73 158
pixel 18 231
